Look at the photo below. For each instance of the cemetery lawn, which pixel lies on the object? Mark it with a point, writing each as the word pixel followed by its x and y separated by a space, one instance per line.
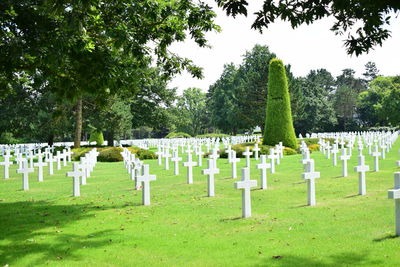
pixel 107 226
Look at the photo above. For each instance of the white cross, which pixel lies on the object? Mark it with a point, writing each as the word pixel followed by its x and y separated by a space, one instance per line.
pixel 75 174
pixel 25 170
pixel 344 158
pixel 64 157
pixel 167 155
pixel 51 160
pixel 335 151
pixel 328 150
pixel 83 165
pixel 306 158
pixel 40 164
pixel 376 155
pixel 145 179
pixel 189 164
pixel 233 161
pixel 395 194
pixel 137 167
pixel 176 160
pixel 6 163
pixel 58 156
pixel 214 156
pixel 361 169
pixel 19 159
pixel 383 149
pixel 159 154
pixel 272 157
pixel 263 166
pixel 211 171
pixel 246 184
pixel 256 149
pixel 310 175
pixel 199 155
pixel 229 152
pixel 69 154
pixel 247 154
pixel 30 157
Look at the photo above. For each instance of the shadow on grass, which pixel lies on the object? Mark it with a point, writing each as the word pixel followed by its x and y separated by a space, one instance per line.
pixel 342 259
pixel 385 237
pixel 231 219
pixel 36 228
pixel 351 196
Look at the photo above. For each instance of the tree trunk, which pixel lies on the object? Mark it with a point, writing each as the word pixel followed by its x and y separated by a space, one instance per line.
pixel 78 123
pixel 110 138
pixel 50 140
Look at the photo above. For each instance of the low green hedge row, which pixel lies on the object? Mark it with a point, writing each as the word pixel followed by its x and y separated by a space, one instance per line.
pixel 113 154
pixel 178 135
pixel 212 135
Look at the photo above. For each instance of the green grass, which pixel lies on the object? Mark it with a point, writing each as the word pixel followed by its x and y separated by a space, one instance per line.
pixel 107 226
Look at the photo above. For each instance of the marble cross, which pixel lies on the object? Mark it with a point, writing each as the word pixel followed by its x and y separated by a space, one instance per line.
pixel 376 155
pixel 25 170
pixel 247 154
pixel 40 164
pixel 245 185
pixel 395 194
pixel 6 163
pixel 263 166
pixel 344 158
pixel 383 149
pixel 199 155
pixel 51 160
pixel 306 158
pixel 58 156
pixel 272 156
pixel 233 161
pixel 159 154
pixel 175 159
pixel 166 155
pixel 229 152
pixel 75 174
pixel 190 164
pixel 145 179
pixel 256 150
pixel 211 171
pixel 310 175
pixel 361 169
pixel 335 151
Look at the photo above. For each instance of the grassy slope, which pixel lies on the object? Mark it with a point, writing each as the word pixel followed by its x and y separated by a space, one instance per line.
pixel 108 226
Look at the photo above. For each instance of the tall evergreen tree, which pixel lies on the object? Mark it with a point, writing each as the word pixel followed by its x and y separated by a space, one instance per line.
pixel 279 123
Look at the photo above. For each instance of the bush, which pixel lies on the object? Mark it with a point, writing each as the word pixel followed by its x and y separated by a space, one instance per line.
pixel 111 154
pixel 178 135
pixel 212 135
pixel 8 138
pixel 313 147
pixel 77 152
pixel 96 136
pixel 142 153
pixel 279 122
pixel 314 141
pixel 289 151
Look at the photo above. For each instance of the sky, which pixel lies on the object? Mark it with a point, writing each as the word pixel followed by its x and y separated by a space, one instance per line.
pixel 304 48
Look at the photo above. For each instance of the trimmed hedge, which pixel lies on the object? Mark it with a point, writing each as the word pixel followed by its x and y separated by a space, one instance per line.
pixel 212 135
pixel 279 122
pixel 113 154
pixel 178 135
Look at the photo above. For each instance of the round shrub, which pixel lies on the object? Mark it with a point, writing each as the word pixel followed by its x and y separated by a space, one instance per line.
pixel 111 154
pixel 79 152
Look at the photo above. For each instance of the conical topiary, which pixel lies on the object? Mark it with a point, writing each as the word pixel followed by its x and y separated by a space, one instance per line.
pixel 96 136
pixel 279 122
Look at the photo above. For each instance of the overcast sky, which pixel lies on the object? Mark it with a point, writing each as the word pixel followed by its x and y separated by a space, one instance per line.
pixel 305 48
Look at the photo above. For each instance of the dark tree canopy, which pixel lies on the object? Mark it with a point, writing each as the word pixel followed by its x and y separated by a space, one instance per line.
pixel 363 21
